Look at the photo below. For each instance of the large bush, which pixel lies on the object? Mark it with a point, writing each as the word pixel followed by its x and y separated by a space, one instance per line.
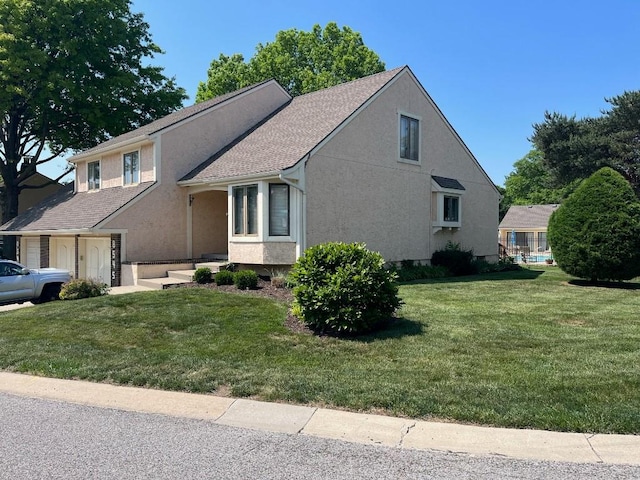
pixel 455 259
pixel 595 233
pixel 343 289
pixel 83 288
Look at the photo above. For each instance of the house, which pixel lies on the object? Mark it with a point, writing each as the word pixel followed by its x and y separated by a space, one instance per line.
pixel 523 232
pixel 39 187
pixel 255 177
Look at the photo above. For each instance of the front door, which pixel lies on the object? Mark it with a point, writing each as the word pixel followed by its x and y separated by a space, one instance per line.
pixel 99 259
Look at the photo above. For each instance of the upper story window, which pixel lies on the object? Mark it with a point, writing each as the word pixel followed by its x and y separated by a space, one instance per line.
pixel 131 168
pixel 93 175
pixel 278 210
pixel 245 210
pixel 409 138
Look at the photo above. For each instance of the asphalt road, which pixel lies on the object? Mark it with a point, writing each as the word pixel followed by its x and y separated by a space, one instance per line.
pixel 41 439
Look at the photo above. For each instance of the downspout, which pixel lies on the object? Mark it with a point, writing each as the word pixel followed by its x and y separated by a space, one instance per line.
pixel 299 185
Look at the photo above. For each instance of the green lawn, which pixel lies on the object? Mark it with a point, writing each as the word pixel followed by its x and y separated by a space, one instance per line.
pixel 516 349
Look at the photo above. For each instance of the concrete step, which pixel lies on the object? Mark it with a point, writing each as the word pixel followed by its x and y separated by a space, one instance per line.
pixel 181 274
pixel 214 266
pixel 160 283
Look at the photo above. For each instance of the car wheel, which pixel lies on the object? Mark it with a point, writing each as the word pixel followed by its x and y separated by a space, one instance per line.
pixel 49 293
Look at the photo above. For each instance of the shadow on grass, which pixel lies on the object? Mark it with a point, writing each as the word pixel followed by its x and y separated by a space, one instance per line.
pixel 395 328
pixel 615 285
pixel 520 274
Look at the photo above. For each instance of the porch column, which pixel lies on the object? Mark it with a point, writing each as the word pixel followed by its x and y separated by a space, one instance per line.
pixel 44 251
pixel 116 264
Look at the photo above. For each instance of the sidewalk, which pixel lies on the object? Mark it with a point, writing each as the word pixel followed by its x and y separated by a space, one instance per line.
pixel 333 424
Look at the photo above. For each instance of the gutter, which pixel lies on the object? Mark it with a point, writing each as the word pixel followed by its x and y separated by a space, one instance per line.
pixel 115 146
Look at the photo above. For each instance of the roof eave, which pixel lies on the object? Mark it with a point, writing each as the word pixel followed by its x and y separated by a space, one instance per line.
pixel 229 180
pixel 116 146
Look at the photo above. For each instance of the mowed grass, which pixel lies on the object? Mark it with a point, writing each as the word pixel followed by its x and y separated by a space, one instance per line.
pixel 517 349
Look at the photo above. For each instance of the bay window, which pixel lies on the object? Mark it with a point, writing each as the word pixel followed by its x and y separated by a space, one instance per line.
pixel 278 210
pixel 245 210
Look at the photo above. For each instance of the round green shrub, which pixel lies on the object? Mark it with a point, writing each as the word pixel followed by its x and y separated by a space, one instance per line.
pixel 245 279
pixel 224 277
pixel 83 288
pixel 595 233
pixel 202 275
pixel 343 289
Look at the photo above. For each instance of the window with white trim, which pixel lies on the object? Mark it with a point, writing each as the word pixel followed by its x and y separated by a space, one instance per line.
pixel 447 198
pixel 131 168
pixel 451 208
pixel 279 222
pixel 93 175
pixel 245 210
pixel 409 138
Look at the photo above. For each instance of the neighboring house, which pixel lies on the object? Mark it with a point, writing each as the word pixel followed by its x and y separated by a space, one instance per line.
pixel 43 187
pixel 523 231
pixel 256 176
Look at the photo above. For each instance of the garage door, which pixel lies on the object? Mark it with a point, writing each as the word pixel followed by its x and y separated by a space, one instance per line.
pixel 99 259
pixel 33 252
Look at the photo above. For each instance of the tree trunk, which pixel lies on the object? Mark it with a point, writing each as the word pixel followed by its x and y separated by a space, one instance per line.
pixel 9 200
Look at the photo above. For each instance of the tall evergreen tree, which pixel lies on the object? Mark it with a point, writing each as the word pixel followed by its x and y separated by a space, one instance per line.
pixel 595 233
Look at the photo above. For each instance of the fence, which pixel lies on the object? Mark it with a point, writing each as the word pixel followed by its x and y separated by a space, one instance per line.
pixel 526 247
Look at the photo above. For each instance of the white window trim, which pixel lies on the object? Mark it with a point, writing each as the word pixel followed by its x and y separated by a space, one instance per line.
pixel 253 237
pixel 99 162
pixel 263 215
pixel 439 223
pixel 278 238
pixel 420 135
pixel 132 184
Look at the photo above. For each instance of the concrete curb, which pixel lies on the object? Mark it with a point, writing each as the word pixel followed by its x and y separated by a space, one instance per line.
pixel 333 424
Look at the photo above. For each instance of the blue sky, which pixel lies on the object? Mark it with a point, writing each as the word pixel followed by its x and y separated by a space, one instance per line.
pixel 493 67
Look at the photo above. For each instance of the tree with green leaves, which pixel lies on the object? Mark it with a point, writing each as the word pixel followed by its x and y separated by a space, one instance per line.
pixel 595 233
pixel 300 61
pixel 531 183
pixel 574 148
pixel 72 74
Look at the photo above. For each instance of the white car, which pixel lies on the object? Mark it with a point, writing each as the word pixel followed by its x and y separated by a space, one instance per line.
pixel 19 284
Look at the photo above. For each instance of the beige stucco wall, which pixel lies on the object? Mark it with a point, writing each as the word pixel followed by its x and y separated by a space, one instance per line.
pixel 209 210
pixel 111 164
pixel 186 147
pixel 357 190
pixel 268 253
pixel 156 225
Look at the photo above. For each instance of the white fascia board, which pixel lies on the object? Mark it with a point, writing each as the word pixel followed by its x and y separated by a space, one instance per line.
pixel 111 148
pixel 221 182
pixel 53 233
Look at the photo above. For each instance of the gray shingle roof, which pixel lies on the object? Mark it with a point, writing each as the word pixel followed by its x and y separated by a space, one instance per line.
pixel 445 182
pixel 291 133
pixel 165 122
pixel 527 216
pixel 80 211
